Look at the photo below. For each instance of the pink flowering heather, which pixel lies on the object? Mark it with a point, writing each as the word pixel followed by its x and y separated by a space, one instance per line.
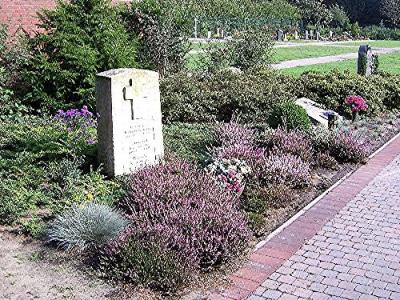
pixel 188 210
pixel 357 103
pixel 283 168
pixel 346 146
pixel 233 133
pixel 293 142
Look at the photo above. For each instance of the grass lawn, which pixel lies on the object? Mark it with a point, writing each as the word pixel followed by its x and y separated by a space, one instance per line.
pixel 388 62
pixel 284 54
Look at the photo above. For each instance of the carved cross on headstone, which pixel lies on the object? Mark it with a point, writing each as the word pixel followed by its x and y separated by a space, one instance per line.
pixel 129 95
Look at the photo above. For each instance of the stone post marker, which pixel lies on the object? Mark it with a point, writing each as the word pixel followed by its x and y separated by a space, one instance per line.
pixel 129 125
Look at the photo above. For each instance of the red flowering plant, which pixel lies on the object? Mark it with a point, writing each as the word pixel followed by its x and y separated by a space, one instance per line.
pixel 357 104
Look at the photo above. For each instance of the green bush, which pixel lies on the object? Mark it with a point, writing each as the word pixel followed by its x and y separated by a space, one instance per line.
pixel 41 170
pixel 381 33
pixel 290 116
pixel 381 90
pixel 189 141
pixel 219 96
pixel 79 39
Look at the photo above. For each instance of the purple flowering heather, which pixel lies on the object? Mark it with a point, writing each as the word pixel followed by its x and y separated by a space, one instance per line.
pixel 283 168
pixel 233 133
pixel 192 214
pixel 80 124
pixel 346 146
pixel 293 142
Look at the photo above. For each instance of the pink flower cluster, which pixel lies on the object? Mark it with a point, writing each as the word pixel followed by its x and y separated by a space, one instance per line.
pixel 357 103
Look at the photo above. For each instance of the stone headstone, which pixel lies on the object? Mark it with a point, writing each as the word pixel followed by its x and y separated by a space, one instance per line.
pixel 285 38
pixel 129 125
pixel 365 63
pixel 218 32
pixel 307 35
pixel 312 34
pixel 318 35
pixel 222 33
pixel 317 113
pixel 296 35
pixel 331 34
pixel 280 35
pixel 209 34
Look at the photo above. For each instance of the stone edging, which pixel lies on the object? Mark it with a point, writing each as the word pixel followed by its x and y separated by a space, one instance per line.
pixel 285 241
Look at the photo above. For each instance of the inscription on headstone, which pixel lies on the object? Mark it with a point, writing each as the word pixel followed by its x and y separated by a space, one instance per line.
pixel 129 125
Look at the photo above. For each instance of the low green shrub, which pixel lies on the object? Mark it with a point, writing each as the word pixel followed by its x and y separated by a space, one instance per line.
pixel 88 225
pixel 289 115
pixel 189 141
pixel 42 169
pixel 375 32
pixel 381 91
pixel 219 96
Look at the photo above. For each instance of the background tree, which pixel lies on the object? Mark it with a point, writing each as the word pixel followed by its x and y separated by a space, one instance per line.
pixel 390 10
pixel 314 12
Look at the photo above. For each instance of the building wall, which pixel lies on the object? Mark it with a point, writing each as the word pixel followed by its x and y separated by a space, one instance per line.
pixel 21 14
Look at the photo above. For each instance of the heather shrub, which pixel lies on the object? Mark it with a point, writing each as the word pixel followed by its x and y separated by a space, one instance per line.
pixel 88 225
pixel 293 142
pixel 186 207
pixel 325 160
pixel 343 145
pixel 142 259
pixel 233 133
pixel 237 142
pixel 347 146
pixel 290 116
pixel 283 168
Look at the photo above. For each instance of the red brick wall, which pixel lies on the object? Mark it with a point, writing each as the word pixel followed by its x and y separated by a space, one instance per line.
pixel 21 14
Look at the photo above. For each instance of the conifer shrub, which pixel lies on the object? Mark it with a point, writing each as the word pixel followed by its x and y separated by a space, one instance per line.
pixel 78 40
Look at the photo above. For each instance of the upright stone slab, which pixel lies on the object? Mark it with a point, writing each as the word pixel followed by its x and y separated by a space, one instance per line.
pixel 307 35
pixel 365 61
pixel 280 35
pixel 318 114
pixel 129 125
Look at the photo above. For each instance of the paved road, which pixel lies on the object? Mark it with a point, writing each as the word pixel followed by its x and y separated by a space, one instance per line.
pixel 327 59
pixel 355 256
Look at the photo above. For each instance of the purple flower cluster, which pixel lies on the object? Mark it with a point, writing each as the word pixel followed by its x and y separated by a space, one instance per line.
pixel 80 124
pixel 293 142
pixel 188 210
pixel 283 168
pixel 357 103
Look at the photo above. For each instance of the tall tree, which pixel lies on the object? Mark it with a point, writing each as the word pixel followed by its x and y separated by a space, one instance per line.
pixel 390 10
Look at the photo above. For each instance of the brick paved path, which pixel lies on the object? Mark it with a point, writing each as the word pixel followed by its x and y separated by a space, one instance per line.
pixel 354 256
pixel 347 246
